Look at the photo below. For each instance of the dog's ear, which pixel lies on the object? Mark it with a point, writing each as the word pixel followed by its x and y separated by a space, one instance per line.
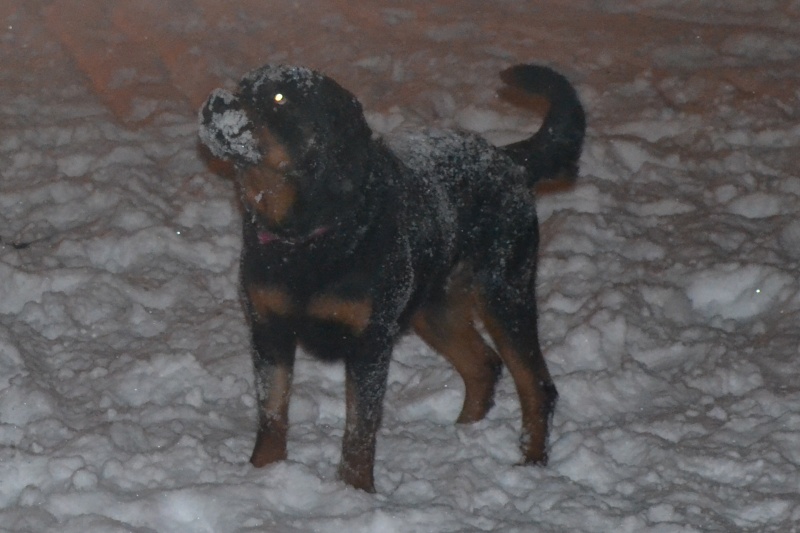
pixel 227 130
pixel 344 111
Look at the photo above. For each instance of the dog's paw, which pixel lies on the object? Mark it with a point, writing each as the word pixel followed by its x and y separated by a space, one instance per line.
pixel 226 129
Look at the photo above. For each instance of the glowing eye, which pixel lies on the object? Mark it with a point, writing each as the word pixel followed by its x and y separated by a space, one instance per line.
pixel 279 99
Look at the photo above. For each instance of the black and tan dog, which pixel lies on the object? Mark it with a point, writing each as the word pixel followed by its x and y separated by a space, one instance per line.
pixel 350 240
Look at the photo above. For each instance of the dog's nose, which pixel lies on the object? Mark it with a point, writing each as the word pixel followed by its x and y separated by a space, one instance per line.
pixel 227 130
pixel 218 102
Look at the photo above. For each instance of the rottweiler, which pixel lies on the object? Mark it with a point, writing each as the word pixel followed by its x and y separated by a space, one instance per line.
pixel 351 239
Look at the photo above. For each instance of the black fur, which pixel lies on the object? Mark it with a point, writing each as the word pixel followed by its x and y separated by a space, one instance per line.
pixel 350 239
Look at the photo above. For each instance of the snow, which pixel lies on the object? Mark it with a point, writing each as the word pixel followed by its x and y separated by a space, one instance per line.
pixel 668 282
pixel 228 133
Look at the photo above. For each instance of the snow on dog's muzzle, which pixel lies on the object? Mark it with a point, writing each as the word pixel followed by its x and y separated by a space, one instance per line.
pixel 226 129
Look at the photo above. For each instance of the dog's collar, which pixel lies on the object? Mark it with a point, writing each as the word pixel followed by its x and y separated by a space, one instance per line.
pixel 267 237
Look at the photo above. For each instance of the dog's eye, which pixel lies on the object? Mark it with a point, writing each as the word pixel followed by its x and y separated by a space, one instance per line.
pixel 279 99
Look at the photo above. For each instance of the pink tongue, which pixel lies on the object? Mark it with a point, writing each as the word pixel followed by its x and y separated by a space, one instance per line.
pixel 265 237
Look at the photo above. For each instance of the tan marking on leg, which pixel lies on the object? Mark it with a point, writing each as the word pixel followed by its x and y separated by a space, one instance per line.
pixel 529 385
pixel 273 427
pixel 277 403
pixel 268 301
pixel 450 331
pixel 358 453
pixel 354 314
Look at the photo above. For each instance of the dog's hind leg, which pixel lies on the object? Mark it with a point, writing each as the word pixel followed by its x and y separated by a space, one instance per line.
pixel 512 326
pixel 507 306
pixel 447 325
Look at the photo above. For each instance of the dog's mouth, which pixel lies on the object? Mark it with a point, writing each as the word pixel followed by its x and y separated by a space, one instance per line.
pixel 266 237
pixel 294 230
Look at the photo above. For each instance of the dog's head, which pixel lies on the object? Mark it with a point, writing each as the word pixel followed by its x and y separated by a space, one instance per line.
pixel 300 144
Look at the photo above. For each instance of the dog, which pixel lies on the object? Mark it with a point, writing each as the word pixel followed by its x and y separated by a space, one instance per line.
pixel 350 240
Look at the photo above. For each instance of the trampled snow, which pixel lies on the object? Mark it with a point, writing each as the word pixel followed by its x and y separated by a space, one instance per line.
pixel 668 285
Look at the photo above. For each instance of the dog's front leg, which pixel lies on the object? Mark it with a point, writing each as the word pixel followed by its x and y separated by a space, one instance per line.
pixel 367 366
pixel 365 383
pixel 273 361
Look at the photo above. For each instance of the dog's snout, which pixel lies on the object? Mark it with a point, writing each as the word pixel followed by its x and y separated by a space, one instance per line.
pixel 227 130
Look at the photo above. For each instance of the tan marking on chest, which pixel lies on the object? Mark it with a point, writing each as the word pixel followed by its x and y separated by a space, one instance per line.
pixel 268 301
pixel 353 314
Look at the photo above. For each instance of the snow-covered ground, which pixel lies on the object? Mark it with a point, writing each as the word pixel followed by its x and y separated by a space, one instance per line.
pixel 668 283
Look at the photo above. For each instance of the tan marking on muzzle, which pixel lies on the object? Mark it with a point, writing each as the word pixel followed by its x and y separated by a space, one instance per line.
pixel 268 301
pixel 276 156
pixel 353 314
pixel 266 187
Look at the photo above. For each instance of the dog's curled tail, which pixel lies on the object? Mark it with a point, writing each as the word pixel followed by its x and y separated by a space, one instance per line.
pixel 554 150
